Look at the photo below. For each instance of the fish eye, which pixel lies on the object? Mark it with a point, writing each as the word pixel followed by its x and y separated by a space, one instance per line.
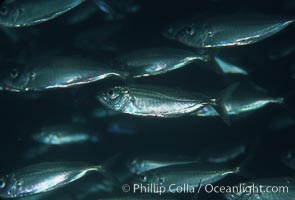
pixel 14 73
pixel 189 30
pixel 110 92
pixel 2 183
pixel 3 11
pixel 143 178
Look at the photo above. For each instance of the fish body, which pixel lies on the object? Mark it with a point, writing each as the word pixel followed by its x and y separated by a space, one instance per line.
pixel 161 102
pixel 143 164
pixel 228 30
pixel 154 61
pixel 42 177
pixel 32 12
pixel 64 134
pixel 53 72
pixel 190 174
pixel 146 101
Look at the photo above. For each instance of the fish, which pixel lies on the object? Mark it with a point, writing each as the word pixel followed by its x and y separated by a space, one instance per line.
pixel 236 106
pixel 189 174
pixel 53 72
pixel 285 190
pixel 31 12
pixel 153 101
pixel 43 177
pixel 226 30
pixel 155 61
pixel 64 134
pixel 288 158
pixel 141 164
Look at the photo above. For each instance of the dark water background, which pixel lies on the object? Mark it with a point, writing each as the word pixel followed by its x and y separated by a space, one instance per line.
pixel 22 114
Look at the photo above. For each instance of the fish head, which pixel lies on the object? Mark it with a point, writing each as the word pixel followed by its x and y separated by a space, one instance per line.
pixel 3 187
pixel 135 165
pixel 8 186
pixel 9 14
pixel 44 137
pixel 115 98
pixel 192 35
pixel 13 77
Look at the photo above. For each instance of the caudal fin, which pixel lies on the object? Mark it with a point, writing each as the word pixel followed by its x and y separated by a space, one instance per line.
pixel 219 105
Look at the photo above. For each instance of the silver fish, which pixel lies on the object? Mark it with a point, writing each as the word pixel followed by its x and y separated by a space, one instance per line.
pixel 285 187
pixel 190 174
pixel 161 102
pixel 42 177
pixel 240 105
pixel 143 164
pixel 53 72
pixel 64 134
pixel 221 31
pixel 154 61
pixel 32 12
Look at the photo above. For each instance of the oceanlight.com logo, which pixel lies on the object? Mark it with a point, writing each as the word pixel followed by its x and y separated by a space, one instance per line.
pixel 246 189
pixel 242 188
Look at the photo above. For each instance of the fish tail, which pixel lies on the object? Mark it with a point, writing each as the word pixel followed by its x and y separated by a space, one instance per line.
pixel 279 100
pixel 218 103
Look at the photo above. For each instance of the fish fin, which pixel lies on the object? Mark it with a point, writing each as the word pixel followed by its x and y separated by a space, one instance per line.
pixel 228 68
pixel 280 100
pixel 219 105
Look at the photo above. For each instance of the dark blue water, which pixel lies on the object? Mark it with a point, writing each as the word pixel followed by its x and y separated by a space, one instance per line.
pixel 24 113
